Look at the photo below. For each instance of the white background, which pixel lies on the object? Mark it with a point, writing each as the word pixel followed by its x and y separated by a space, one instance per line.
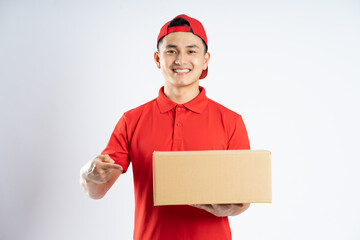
pixel 69 69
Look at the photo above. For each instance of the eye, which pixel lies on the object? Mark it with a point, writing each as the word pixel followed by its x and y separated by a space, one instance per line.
pixel 170 51
pixel 192 51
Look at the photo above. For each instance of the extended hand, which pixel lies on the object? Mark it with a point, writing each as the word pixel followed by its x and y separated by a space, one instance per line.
pixel 101 169
pixel 223 210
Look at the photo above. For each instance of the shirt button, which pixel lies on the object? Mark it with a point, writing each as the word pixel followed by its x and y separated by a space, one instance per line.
pixel 179 109
pixel 179 124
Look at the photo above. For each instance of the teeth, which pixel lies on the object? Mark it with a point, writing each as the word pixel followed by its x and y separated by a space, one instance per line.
pixel 181 70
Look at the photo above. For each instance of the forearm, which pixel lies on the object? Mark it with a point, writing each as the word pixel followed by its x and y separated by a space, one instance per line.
pixel 94 190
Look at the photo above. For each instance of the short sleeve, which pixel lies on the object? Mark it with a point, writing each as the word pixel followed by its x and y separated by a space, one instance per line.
pixel 239 139
pixel 118 145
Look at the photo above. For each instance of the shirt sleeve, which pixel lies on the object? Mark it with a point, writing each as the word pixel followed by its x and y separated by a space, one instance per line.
pixel 118 145
pixel 239 139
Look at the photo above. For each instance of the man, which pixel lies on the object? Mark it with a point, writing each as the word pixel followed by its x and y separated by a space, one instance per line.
pixel 181 118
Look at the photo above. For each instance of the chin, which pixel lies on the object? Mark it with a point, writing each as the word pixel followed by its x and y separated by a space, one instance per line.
pixel 186 81
pixel 185 84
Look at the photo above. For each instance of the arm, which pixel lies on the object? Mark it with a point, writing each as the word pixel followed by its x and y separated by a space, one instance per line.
pixel 224 210
pixel 98 175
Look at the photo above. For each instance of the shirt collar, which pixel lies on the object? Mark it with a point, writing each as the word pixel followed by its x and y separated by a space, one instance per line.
pixel 197 104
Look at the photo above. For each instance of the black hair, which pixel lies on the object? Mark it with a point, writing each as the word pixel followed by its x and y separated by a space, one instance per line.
pixel 181 22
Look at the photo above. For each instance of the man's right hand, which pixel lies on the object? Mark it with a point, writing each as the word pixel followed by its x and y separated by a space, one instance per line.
pixel 101 169
pixel 98 175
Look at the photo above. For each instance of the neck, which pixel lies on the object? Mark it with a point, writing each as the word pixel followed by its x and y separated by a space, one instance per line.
pixel 181 95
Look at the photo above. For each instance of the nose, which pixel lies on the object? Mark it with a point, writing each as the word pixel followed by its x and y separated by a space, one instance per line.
pixel 180 59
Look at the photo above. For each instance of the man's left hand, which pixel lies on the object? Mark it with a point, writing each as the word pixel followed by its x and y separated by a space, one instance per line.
pixel 224 210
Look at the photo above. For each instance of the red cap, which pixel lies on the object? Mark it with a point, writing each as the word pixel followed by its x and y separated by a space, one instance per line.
pixel 195 27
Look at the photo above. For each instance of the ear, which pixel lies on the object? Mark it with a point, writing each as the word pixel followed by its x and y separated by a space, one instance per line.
pixel 157 59
pixel 206 60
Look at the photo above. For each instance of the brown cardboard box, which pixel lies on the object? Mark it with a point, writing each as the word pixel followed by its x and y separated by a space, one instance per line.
pixel 210 177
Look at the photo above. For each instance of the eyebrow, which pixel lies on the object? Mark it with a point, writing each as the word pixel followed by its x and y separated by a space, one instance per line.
pixel 188 46
pixel 171 46
pixel 192 46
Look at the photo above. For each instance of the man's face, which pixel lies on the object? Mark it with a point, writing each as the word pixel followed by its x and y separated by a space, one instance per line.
pixel 181 58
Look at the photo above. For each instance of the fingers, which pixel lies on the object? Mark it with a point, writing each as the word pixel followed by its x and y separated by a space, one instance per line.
pixel 105 158
pixel 212 206
pixel 221 207
pixel 245 206
pixel 106 162
pixel 239 204
pixel 206 207
pixel 114 166
pixel 102 169
pixel 222 210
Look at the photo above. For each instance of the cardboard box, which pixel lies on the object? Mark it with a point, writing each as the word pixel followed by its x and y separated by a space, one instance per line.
pixel 211 177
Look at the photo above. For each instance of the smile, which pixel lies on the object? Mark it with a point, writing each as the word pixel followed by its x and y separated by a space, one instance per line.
pixel 181 70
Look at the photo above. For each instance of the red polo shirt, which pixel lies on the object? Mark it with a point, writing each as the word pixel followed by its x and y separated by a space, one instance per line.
pixel 163 125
